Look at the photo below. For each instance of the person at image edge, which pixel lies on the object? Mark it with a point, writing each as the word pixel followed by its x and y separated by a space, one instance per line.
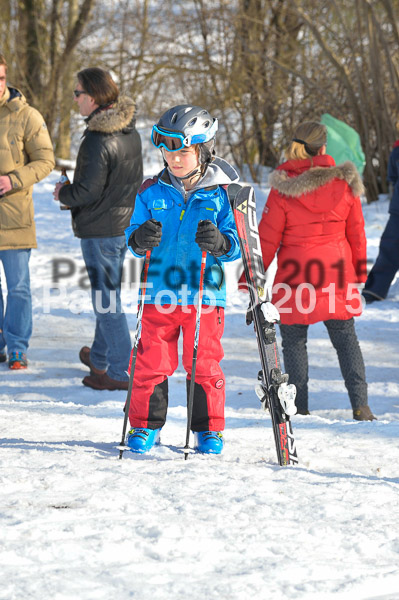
pixel 26 157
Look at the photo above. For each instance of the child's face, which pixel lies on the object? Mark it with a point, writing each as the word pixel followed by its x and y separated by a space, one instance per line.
pixel 183 161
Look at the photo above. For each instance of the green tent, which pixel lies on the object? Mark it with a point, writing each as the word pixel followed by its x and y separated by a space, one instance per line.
pixel 343 142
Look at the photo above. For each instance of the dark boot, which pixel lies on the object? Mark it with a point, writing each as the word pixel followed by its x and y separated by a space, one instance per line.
pixel 302 411
pixel 84 357
pixel 363 413
pixel 104 382
pixel 370 297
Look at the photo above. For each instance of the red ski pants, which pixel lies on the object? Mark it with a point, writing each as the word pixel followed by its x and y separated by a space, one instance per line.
pixel 157 358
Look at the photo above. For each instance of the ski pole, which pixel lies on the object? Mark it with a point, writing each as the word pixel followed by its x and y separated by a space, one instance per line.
pixel 195 352
pixel 135 347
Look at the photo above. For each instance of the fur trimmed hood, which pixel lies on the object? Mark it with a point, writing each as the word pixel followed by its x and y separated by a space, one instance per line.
pixel 315 177
pixel 113 119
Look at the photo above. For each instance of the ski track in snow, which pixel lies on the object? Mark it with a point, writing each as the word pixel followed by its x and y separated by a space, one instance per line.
pixel 77 523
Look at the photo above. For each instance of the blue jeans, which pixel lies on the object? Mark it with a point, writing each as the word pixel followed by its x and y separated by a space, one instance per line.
pixel 387 264
pixel 16 322
pixel 111 347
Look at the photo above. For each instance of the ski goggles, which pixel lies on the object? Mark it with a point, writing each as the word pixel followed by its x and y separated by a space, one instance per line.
pixel 175 140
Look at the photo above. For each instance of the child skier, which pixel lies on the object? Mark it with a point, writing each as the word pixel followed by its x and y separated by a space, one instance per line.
pixel 178 214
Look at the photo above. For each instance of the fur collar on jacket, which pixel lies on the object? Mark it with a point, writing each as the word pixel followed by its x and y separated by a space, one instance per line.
pixel 315 177
pixel 113 119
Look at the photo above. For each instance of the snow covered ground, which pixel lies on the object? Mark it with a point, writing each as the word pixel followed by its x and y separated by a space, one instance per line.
pixel 77 523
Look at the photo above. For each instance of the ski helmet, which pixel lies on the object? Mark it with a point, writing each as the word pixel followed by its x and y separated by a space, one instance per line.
pixel 184 125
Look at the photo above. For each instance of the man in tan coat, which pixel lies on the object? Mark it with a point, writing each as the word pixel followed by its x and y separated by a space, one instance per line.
pixel 26 157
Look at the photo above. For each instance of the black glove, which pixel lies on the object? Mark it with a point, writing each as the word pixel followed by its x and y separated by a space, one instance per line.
pixel 268 314
pixel 249 317
pixel 209 238
pixel 146 237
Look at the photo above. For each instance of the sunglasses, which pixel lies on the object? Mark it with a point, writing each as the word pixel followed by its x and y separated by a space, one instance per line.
pixel 78 93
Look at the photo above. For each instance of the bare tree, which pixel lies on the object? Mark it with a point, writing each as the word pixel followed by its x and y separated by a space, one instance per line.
pixel 63 144
pixel 260 65
pixel 353 46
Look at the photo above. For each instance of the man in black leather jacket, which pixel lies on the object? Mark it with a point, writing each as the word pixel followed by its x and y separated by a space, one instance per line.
pixel 108 173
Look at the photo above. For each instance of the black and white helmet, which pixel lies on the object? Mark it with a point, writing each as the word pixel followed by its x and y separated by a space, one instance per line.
pixel 184 125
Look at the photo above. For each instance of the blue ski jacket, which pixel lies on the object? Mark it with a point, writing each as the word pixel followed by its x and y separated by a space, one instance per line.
pixel 174 270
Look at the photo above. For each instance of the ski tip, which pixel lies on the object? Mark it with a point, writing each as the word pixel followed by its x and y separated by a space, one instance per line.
pixel 232 190
pixel 234 187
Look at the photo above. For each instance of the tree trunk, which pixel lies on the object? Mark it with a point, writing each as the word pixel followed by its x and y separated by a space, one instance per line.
pixel 63 146
pixel 35 33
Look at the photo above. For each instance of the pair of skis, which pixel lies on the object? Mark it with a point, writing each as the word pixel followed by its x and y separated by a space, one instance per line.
pixel 273 390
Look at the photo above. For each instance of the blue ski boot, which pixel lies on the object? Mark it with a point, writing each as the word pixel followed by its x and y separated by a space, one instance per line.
pixel 208 442
pixel 141 440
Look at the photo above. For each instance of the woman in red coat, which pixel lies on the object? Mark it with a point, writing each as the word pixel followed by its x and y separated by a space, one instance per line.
pixel 313 218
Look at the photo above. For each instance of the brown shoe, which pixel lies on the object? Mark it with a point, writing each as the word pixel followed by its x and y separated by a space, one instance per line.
pixel 363 413
pixel 84 356
pixel 104 382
